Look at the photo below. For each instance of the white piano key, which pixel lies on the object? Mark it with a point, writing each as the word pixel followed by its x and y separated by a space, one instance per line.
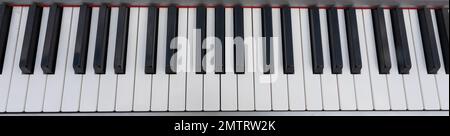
pixel 394 79
pixel 313 90
pixel 72 81
pixel 177 83
pixel 441 77
pixel 263 100
pixel 37 81
pixel 427 81
pixel 296 81
pixel 346 86
pixel 19 81
pixel 280 99
pixel 380 92
pixel 194 82
pixel 125 82
pixel 143 82
pixel 90 85
pixel 362 83
pixel 108 81
pixel 160 84
pixel 413 91
pixel 211 96
pixel 10 57
pixel 246 101
pixel 330 96
pixel 228 80
pixel 55 82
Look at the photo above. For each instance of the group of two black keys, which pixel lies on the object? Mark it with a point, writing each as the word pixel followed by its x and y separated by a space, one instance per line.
pixel 79 62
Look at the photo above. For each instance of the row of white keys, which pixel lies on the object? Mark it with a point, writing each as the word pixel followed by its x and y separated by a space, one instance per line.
pixel 411 80
pixel 313 94
pixel 143 82
pixel 397 93
pixel 160 86
pixel 346 87
pixel 402 91
pixel 280 99
pixel 125 82
pixel 55 82
pixel 380 91
pixel 362 83
pixel 72 81
pixel 37 81
pixel 427 81
pixel 263 100
pixel 441 77
pixel 211 86
pixel 194 82
pixel 394 79
pixel 90 82
pixel 177 83
pixel 246 97
pixel 330 95
pixel 296 81
pixel 228 80
pixel 108 81
pixel 12 49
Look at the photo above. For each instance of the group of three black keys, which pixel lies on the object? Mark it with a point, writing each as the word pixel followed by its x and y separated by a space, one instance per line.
pixel 28 53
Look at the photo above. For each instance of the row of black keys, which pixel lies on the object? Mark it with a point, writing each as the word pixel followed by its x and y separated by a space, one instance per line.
pixel 28 54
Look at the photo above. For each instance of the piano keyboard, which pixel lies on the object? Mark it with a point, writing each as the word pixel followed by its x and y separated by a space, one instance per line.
pixel 124 58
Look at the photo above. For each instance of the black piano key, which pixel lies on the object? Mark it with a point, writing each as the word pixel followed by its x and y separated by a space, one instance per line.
pixel 381 42
pixel 354 50
pixel 82 41
pixel 30 39
pixel 50 50
pixel 239 49
pixel 443 24
pixel 335 41
pixel 101 42
pixel 401 41
pixel 201 25
pixel 267 34
pixel 172 32
pixel 316 40
pixel 429 41
pixel 219 25
pixel 286 27
pixel 5 19
pixel 120 57
pixel 152 39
